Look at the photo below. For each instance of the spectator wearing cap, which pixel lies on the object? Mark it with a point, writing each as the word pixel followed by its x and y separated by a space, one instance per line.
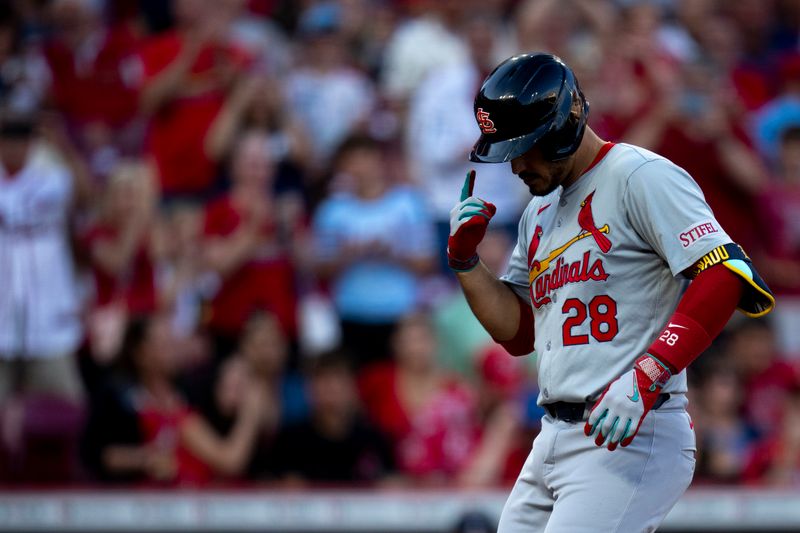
pixel 40 326
pixel 24 75
pixel 186 75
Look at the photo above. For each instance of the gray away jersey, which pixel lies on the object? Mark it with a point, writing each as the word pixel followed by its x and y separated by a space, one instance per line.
pixel 601 263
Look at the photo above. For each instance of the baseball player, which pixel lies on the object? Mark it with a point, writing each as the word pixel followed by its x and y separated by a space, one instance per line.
pixel 620 278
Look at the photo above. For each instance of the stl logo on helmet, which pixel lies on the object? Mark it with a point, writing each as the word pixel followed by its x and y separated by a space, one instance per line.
pixel 486 124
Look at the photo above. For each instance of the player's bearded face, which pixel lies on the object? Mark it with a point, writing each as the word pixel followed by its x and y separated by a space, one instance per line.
pixel 541 176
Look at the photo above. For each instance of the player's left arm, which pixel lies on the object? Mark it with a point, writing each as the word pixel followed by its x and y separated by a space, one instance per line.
pixel 702 313
pixel 724 279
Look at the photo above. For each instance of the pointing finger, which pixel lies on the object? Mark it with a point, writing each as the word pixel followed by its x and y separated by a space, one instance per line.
pixel 469 184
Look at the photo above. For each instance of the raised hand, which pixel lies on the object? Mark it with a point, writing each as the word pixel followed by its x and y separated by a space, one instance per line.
pixel 468 222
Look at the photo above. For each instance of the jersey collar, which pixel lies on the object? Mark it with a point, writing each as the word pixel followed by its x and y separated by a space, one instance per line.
pixel 599 157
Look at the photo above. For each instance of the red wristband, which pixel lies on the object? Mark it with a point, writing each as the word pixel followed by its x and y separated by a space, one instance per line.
pixel 680 342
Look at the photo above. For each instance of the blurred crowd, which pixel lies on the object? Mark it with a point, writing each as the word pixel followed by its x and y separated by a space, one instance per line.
pixel 223 223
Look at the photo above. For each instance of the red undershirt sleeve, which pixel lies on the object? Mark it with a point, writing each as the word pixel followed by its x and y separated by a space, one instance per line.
pixel 522 343
pixel 702 312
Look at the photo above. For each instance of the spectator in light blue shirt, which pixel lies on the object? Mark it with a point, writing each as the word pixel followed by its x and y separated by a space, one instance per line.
pixel 373 241
pixel 780 114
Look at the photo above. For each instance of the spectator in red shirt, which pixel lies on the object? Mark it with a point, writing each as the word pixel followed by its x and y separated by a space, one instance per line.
pixel 430 417
pixel 142 429
pixel 120 241
pixel 187 73
pixel 89 63
pixel 119 247
pixel 776 460
pixel 503 446
pixel 247 244
pixel 228 451
pixel 92 74
pixel 133 432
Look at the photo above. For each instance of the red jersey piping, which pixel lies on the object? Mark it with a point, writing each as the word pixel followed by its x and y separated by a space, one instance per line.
pixel 600 155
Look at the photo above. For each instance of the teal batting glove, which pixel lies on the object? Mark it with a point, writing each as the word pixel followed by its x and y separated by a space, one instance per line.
pixel 468 222
pixel 618 414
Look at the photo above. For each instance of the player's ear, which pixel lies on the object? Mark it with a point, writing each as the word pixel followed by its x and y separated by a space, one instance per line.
pixel 576 110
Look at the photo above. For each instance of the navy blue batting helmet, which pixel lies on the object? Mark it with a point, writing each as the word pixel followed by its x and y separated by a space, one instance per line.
pixel 529 99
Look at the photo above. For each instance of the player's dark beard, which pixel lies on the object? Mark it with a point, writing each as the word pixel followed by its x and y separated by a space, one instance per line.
pixel 541 185
pixel 539 188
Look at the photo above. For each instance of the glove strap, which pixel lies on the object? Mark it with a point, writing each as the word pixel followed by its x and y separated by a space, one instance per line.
pixel 458 265
pixel 655 370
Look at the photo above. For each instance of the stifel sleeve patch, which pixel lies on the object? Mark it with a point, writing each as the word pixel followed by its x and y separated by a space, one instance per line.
pixel 698 231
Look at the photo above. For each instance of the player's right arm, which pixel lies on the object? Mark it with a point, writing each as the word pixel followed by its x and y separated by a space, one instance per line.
pixel 492 302
pixel 504 315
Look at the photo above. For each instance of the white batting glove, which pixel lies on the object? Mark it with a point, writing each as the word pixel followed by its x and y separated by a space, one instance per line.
pixel 618 414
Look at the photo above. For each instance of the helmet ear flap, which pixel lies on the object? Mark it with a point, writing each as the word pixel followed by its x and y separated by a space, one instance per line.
pixel 563 140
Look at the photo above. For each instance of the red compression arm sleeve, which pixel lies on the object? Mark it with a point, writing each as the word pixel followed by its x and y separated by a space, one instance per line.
pixel 522 343
pixel 703 311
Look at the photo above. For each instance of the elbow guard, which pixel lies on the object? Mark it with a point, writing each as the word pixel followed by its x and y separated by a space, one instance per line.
pixel 757 299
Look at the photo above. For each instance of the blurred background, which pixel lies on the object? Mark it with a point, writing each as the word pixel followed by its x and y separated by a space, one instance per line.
pixel 222 234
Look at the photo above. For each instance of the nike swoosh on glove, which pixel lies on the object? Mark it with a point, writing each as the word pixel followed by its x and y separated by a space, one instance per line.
pixel 468 222
pixel 618 414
